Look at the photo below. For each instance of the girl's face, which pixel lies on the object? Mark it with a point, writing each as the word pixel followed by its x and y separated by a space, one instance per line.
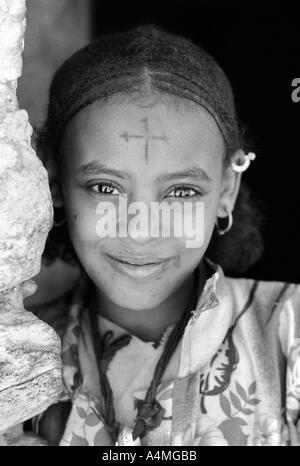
pixel 153 153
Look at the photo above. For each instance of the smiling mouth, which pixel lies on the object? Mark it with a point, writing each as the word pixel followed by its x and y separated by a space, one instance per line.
pixel 139 267
pixel 139 261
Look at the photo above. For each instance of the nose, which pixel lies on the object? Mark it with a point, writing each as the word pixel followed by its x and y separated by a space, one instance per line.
pixel 141 229
pixel 139 225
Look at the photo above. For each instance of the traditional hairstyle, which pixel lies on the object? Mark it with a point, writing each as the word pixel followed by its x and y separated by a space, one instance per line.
pixel 147 61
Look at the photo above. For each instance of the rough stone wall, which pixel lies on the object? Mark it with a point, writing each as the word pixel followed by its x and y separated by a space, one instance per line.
pixel 30 365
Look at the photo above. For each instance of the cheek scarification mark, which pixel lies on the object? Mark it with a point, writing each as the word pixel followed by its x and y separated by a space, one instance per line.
pixel 146 136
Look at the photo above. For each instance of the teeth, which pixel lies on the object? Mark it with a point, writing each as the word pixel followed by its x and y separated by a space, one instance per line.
pixel 134 263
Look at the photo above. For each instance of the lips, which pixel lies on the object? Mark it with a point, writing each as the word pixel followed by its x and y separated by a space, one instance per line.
pixel 141 260
pixel 142 267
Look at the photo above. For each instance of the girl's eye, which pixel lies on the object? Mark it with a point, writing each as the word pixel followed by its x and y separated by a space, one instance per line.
pixel 183 192
pixel 105 189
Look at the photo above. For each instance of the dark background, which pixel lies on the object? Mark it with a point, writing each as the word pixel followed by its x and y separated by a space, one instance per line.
pixel 258 46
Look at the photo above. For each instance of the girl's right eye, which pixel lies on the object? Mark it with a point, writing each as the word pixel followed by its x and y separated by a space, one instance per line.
pixel 105 189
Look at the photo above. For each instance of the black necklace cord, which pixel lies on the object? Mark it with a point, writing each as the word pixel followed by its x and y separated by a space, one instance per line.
pixel 150 412
pixel 105 351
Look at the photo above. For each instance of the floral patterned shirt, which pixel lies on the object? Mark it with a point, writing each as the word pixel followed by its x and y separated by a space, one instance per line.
pixel 234 378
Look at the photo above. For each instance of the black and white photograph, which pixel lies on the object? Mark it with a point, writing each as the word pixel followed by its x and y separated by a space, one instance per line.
pixel 149 226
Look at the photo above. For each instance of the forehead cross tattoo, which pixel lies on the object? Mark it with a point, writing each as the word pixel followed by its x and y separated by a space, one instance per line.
pixel 146 136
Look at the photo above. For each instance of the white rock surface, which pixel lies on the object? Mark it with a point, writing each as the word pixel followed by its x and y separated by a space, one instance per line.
pixel 25 203
pixel 30 365
pixel 12 29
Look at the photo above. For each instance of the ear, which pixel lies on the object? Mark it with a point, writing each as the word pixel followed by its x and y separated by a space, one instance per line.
pixel 230 187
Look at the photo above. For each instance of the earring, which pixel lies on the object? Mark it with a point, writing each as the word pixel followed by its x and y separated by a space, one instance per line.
pixel 59 223
pixel 225 230
pixel 240 165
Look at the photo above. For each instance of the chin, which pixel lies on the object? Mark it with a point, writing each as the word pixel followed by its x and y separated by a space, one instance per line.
pixel 137 300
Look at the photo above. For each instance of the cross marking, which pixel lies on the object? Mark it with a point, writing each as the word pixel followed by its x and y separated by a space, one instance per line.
pixel 146 136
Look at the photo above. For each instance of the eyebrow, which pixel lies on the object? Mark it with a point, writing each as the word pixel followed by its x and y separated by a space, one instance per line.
pixel 192 172
pixel 96 168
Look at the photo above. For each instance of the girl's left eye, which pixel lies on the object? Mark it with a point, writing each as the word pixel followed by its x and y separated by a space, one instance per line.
pixel 184 191
pixel 104 188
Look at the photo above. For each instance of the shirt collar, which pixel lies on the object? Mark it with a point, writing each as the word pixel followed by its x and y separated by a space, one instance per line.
pixel 213 287
pixel 207 328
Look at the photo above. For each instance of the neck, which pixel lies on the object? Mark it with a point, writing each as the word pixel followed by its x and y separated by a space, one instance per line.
pixel 148 324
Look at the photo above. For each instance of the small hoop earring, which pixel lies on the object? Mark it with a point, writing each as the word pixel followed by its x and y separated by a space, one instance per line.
pixel 225 230
pixel 60 223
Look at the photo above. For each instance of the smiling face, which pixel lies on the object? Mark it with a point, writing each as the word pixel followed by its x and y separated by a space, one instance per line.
pixel 160 152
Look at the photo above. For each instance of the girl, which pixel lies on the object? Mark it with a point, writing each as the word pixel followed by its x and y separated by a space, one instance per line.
pixel 159 347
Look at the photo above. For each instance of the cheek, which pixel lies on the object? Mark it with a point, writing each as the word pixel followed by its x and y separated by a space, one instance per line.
pixel 197 222
pixel 194 243
pixel 199 226
pixel 81 219
pixel 210 214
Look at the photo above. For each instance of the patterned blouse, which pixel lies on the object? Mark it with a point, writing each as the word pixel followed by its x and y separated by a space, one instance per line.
pixel 234 378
